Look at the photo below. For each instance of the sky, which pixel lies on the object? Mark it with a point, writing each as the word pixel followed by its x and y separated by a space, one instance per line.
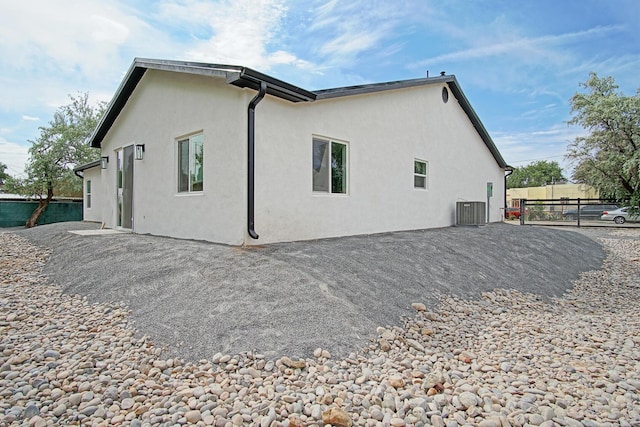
pixel 518 62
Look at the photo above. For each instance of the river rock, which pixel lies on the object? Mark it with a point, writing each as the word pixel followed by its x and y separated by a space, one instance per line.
pixel 336 417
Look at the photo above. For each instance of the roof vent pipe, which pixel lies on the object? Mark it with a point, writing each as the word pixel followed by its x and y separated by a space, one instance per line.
pixel 442 73
pixel 251 165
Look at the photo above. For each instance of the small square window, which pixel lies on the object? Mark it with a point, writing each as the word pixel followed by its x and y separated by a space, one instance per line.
pixel 420 173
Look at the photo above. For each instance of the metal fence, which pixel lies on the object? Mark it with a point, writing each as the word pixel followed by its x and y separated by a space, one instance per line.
pixel 14 213
pixel 565 211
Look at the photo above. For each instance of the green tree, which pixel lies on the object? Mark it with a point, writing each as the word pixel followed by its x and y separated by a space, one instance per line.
pixel 3 175
pixel 535 174
pixel 61 146
pixel 608 158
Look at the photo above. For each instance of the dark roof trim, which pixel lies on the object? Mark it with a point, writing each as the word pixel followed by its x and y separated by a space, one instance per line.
pixel 84 167
pixel 450 80
pixel 93 164
pixel 377 87
pixel 118 102
pixel 238 76
pixel 475 120
pixel 247 78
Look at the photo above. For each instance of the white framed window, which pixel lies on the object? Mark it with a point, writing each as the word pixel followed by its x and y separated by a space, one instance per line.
pixel 330 160
pixel 420 174
pixel 88 193
pixel 190 164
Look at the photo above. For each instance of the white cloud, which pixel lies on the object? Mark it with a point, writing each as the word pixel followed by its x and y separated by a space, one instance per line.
pixel 14 155
pixel 57 48
pixel 30 118
pixel 623 67
pixel 345 30
pixel 285 58
pixel 282 57
pixel 501 59
pixel 240 31
pixel 521 148
pixel 65 35
pixel 108 31
pixel 522 47
pixel 186 13
pixel 350 43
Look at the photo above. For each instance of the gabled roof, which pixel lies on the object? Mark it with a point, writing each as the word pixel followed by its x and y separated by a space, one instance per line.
pixel 238 76
pixel 247 78
pixel 450 80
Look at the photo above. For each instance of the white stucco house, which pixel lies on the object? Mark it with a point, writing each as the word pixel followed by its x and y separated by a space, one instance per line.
pixel 230 155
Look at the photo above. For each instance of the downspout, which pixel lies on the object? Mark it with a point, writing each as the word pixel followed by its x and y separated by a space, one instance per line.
pixel 251 165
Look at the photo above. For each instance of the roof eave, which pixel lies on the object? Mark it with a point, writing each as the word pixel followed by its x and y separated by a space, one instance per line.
pixel 475 120
pixel 377 87
pixel 86 166
pixel 450 80
pixel 248 78
pixel 128 84
pixel 238 76
pixel 244 77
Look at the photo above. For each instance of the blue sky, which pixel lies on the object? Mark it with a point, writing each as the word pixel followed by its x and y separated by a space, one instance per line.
pixel 518 62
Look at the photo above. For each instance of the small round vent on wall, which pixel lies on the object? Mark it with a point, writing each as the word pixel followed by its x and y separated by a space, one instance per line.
pixel 445 95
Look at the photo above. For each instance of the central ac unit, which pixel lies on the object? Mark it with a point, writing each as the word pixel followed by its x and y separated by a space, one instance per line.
pixel 471 213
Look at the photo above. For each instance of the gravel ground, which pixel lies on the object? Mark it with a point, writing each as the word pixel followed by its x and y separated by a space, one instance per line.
pixel 196 298
pixel 506 358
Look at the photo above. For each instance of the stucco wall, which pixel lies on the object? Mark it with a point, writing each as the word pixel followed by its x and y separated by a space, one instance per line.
pixel 165 107
pixel 93 213
pixel 385 132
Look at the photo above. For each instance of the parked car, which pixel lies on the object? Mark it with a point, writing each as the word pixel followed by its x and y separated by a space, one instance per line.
pixel 512 213
pixel 620 216
pixel 588 211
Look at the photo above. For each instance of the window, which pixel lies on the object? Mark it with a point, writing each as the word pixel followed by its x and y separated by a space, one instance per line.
pixel 329 166
pixel 190 164
pixel 420 169
pixel 88 192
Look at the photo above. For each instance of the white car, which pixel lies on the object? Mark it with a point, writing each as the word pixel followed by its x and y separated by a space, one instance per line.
pixel 620 216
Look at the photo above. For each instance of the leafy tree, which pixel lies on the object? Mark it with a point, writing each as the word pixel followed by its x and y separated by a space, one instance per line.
pixel 3 174
pixel 61 146
pixel 535 174
pixel 609 157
